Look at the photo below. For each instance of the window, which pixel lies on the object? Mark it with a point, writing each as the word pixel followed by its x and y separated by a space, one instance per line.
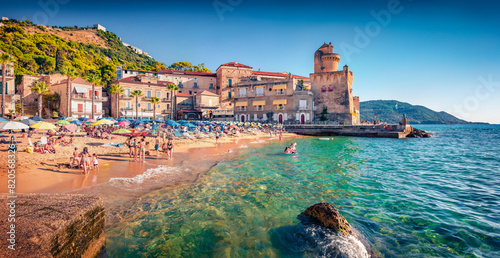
pixel 149 106
pixel 127 105
pixel 158 94
pixel 280 92
pixel 243 92
pixel 180 85
pixel 80 107
pixel 259 91
pixel 210 102
pixel 195 85
pixel 127 92
pixel 191 92
pixel 229 94
pixel 259 108
pixel 211 86
pixel 158 106
pixel 230 82
pixel 6 88
pixel 280 107
pixel 148 94
pixel 168 95
pixel 95 108
pixel 168 106
pixel 302 104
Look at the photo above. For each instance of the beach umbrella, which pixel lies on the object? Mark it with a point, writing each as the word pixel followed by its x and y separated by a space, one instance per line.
pixel 13 126
pixel 125 123
pixel 28 122
pixel 38 119
pixel 76 122
pixel 83 119
pixel 21 118
pixel 103 122
pixel 70 127
pixel 62 122
pixel 3 119
pixel 43 126
pixel 189 125
pixel 90 121
pixel 138 121
pixel 122 131
pixel 62 118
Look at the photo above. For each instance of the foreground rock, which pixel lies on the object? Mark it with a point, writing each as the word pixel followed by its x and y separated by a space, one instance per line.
pixel 52 225
pixel 416 133
pixel 327 216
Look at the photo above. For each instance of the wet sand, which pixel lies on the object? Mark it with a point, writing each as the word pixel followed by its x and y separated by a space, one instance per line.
pixel 194 158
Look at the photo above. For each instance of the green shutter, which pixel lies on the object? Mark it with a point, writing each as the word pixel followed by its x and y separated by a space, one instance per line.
pixel 229 94
pixel 6 88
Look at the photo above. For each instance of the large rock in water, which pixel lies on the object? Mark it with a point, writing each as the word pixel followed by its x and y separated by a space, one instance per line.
pixel 327 216
pixel 416 133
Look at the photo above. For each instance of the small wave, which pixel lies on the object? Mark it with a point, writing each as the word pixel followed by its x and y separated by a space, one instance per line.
pixel 151 176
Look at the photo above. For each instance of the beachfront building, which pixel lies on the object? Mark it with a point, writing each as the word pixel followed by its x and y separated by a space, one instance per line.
pixel 206 102
pixel 9 88
pixel 332 88
pixel 278 100
pixel 185 107
pixel 150 87
pixel 80 98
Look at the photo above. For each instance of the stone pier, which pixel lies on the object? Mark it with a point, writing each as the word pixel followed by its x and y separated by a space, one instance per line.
pixel 52 225
pixel 384 131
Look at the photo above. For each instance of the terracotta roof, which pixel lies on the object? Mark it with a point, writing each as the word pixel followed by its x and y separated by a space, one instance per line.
pixel 134 79
pixel 139 71
pixel 187 73
pixel 206 92
pixel 235 64
pixel 278 74
pixel 76 80
pixel 181 94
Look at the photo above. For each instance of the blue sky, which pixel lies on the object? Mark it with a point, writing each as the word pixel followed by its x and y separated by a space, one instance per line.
pixel 441 54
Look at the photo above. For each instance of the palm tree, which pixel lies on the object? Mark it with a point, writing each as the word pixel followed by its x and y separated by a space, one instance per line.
pixel 172 87
pixel 116 89
pixel 94 79
pixel 41 89
pixel 155 101
pixel 136 94
pixel 4 59
pixel 70 73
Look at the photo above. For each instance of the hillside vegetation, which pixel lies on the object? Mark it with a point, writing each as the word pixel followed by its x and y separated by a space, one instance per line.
pixel 386 111
pixel 38 50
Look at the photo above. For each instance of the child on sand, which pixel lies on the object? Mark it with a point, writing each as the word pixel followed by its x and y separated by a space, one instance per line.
pixel 157 145
pixel 95 163
pixel 74 160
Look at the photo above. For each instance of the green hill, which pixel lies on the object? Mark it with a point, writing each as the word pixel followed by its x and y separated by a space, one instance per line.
pixel 385 111
pixel 40 49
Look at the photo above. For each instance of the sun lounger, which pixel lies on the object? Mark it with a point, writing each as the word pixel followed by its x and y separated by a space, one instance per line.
pixel 176 134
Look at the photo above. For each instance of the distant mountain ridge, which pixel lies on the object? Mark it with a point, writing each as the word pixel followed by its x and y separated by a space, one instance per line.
pixel 391 111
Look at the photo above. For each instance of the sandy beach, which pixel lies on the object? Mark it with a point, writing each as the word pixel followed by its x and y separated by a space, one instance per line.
pixel 37 172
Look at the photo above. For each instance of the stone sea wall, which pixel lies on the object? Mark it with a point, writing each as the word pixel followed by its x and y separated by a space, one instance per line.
pixel 52 225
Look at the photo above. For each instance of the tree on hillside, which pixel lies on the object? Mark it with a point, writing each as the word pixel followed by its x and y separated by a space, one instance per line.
pixel 136 94
pixel 4 60
pixel 159 66
pixel 41 89
pixel 117 89
pixel 181 66
pixel 60 63
pixel 70 73
pixel 94 79
pixel 173 88
pixel 154 101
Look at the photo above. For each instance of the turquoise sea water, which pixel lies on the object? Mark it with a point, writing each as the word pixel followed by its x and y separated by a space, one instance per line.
pixel 406 197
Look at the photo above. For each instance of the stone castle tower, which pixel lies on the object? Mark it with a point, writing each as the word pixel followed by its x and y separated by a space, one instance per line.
pixel 333 88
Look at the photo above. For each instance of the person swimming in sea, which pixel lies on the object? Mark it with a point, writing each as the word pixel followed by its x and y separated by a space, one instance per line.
pixel 292 149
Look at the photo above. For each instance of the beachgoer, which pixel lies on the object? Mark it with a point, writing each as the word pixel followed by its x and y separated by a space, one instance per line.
pixel 95 163
pixel 131 147
pixel 74 159
pixel 170 148
pixel 157 145
pixel 217 137
pixel 85 156
pixel 292 149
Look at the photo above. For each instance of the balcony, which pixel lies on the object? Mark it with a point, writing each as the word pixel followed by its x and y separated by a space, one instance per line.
pixel 241 109
pixel 166 99
pixel 146 98
pixel 166 111
pixel 259 108
pixel 259 94
pixel 303 108
pixel 126 109
pixel 88 98
pixel 280 92
pixel 243 95
pixel 126 97
pixel 280 107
